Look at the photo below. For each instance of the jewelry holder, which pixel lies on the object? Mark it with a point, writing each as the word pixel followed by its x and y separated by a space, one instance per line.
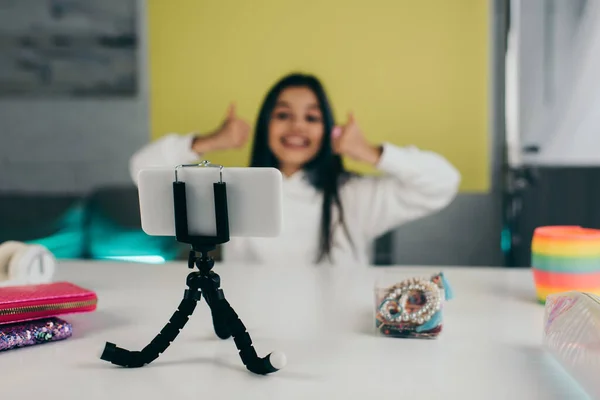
pixel 411 308
pixel 572 336
pixel 202 283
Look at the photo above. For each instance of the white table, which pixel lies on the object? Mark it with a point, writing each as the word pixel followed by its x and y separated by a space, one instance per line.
pixel 322 318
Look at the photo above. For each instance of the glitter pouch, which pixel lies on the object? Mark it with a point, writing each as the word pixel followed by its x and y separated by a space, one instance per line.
pixel 31 302
pixel 31 333
pixel 411 307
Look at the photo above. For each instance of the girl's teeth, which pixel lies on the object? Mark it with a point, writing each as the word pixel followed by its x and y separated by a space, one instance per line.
pixel 296 141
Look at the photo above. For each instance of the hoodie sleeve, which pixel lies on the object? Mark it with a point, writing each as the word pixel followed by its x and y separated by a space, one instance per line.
pixel 414 184
pixel 170 150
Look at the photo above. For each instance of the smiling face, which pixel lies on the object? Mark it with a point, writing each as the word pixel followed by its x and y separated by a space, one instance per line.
pixel 296 128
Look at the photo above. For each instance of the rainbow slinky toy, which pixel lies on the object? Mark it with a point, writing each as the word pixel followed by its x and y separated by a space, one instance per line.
pixel 565 258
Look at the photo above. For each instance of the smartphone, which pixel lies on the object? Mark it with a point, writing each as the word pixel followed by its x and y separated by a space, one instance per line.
pixel 254 200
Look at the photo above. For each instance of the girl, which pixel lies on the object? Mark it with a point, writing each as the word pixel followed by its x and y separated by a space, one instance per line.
pixel 330 215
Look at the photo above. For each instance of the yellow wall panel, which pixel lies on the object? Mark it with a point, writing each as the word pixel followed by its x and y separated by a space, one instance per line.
pixel 413 72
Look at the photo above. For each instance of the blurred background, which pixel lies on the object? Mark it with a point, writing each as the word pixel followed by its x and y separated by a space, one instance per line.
pixel 505 89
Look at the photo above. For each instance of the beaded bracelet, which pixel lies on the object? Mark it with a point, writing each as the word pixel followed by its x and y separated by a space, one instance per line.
pixel 413 307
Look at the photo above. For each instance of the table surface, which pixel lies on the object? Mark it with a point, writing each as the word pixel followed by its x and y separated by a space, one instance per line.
pixel 320 317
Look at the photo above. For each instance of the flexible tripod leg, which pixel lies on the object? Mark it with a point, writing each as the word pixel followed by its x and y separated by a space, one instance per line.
pixel 219 321
pixel 136 359
pixel 223 311
pixel 205 264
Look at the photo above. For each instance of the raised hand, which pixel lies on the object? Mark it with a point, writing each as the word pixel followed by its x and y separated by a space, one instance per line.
pixel 233 133
pixel 348 140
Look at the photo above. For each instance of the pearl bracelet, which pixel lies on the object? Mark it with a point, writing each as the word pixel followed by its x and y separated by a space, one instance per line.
pixel 394 307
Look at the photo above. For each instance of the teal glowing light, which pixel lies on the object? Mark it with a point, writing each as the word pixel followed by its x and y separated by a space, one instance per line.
pixel 506 240
pixel 138 259
pixel 86 234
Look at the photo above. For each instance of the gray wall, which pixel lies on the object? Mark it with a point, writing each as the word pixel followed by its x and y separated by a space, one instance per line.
pixel 63 145
pixel 468 231
pixel 546 60
pixel 558 46
pixel 551 39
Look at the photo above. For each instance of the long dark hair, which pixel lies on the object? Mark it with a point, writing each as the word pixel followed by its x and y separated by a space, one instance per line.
pixel 325 171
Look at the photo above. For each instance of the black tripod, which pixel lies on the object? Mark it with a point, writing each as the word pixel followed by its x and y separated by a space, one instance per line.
pixel 203 283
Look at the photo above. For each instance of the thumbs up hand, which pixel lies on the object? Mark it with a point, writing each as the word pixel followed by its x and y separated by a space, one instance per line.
pixel 348 140
pixel 233 133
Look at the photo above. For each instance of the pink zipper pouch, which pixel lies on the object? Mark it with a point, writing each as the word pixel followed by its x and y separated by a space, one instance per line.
pixel 30 302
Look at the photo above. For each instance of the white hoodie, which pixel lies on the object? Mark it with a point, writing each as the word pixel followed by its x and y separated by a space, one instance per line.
pixel 414 184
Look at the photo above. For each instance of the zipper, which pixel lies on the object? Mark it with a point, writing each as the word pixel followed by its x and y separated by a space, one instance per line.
pixel 47 307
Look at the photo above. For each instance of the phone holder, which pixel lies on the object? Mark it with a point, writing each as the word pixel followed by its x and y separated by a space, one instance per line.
pixel 202 283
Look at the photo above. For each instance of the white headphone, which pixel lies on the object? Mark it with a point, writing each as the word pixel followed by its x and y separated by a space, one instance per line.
pixel 25 264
